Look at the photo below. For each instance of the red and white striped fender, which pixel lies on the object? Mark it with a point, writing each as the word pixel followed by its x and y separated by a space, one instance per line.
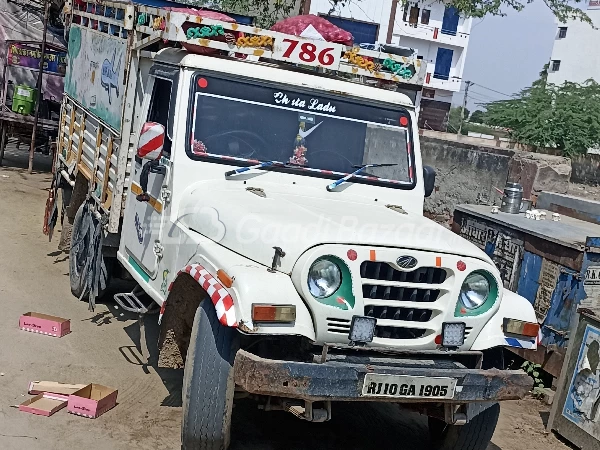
pixel 152 140
pixel 218 294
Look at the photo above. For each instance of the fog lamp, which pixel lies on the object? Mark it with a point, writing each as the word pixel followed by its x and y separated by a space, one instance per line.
pixel 362 329
pixel 453 334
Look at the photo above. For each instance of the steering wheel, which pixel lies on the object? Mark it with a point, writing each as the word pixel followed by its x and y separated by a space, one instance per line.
pixel 239 140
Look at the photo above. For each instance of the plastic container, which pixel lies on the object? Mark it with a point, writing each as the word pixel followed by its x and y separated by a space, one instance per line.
pixel 23 99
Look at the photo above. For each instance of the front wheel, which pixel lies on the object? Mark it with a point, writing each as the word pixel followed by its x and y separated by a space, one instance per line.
pixel 474 435
pixel 208 385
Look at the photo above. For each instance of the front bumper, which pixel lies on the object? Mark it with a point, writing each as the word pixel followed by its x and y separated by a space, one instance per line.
pixel 341 378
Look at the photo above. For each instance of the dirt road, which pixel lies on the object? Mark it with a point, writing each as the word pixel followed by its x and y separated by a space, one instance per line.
pixel 102 348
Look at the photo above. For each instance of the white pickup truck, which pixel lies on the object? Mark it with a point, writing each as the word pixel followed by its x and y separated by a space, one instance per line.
pixel 266 191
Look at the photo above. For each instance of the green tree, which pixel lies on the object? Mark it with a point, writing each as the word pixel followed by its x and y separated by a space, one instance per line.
pixel 562 9
pixel 477 116
pixel 454 119
pixel 267 12
pixel 546 115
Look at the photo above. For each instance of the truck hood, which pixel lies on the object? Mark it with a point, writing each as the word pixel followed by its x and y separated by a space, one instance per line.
pixel 251 221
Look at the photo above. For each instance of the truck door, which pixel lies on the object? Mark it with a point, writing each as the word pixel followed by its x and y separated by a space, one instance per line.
pixel 144 216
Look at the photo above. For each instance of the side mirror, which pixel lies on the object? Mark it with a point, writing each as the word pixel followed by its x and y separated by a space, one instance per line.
pixel 151 141
pixel 428 180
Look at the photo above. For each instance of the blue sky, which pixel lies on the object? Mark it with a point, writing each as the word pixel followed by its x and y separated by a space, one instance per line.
pixel 507 53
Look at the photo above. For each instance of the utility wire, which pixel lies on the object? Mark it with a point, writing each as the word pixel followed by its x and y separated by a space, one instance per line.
pixel 481 94
pixel 479 99
pixel 493 90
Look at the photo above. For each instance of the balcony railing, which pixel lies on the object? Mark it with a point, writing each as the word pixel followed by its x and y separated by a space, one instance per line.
pixel 440 81
pixel 421 31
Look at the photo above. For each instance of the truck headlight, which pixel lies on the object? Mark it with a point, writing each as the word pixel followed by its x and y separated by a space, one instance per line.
pixel 475 290
pixel 324 278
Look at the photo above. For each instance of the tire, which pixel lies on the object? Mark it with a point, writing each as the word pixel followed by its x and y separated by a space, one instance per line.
pixel 77 257
pixel 208 384
pixel 474 435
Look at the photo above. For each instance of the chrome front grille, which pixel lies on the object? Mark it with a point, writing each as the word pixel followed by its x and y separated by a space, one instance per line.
pixel 403 294
pixel 389 312
pixel 383 271
pixel 401 301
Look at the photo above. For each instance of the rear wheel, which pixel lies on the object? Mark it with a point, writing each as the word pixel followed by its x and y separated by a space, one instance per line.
pixel 208 385
pixel 474 435
pixel 78 255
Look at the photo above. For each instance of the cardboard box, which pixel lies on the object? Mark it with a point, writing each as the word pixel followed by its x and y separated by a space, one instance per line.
pixel 92 401
pixel 44 404
pixel 45 324
pixel 39 387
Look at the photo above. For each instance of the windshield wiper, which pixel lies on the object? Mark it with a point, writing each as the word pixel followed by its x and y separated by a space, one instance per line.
pixel 246 169
pixel 262 165
pixel 335 184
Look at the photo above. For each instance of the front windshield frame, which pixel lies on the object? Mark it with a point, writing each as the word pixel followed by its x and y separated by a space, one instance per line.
pixel 300 170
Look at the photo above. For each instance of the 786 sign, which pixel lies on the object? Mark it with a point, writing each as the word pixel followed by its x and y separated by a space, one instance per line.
pixel 309 53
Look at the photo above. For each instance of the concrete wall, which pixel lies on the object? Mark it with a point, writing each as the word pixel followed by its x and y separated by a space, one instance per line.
pixel 586 169
pixel 538 172
pixel 470 173
pixel 495 142
pixel 465 174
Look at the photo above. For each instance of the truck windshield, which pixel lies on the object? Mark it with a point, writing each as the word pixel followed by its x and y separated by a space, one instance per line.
pixel 242 123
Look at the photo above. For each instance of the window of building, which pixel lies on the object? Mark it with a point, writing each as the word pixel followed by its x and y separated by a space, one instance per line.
pixel 450 21
pixel 428 93
pixel 413 19
pixel 562 32
pixel 425 16
pixel 443 62
pixel 555 65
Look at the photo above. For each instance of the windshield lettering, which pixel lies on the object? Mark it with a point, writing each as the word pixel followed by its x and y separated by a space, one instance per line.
pixel 314 104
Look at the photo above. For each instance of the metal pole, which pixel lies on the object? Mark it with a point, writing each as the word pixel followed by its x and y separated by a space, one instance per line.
pixel 39 86
pixel 464 105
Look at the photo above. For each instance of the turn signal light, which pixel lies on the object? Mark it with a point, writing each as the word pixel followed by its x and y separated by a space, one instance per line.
pixel 514 326
pixel 224 278
pixel 273 313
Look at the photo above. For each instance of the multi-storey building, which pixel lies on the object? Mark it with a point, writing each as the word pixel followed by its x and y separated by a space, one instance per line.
pixel 437 33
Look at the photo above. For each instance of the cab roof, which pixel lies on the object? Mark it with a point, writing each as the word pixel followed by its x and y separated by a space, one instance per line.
pixel 281 73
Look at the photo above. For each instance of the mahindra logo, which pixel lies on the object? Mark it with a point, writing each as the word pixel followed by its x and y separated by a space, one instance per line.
pixel 406 262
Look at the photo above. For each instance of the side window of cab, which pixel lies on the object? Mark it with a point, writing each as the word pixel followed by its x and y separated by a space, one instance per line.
pixel 161 110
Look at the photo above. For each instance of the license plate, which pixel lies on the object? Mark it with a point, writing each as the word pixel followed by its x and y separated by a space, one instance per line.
pixel 404 386
pixel 592 276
